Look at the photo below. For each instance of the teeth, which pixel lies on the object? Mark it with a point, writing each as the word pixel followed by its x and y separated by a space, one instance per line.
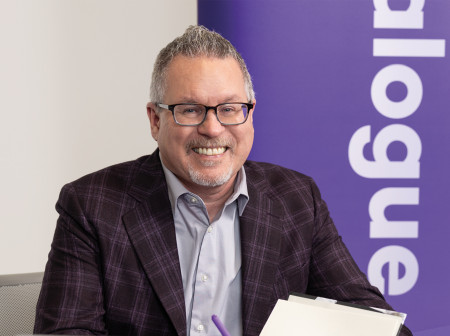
pixel 210 151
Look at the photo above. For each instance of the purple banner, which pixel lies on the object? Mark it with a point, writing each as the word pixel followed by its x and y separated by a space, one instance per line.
pixel 356 94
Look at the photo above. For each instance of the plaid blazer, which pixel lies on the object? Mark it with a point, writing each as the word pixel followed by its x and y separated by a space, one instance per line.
pixel 114 268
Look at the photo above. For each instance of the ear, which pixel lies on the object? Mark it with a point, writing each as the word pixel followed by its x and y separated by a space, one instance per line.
pixel 153 117
pixel 253 110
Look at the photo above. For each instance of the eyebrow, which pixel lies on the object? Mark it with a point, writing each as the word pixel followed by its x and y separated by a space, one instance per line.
pixel 228 99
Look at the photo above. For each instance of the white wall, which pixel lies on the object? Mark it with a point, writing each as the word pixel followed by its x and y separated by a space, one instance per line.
pixel 74 78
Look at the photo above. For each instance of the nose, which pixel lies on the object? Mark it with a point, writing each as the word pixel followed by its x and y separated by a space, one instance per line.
pixel 211 127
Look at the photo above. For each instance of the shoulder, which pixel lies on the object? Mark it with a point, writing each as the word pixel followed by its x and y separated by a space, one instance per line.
pixel 113 182
pixel 117 176
pixel 275 176
pixel 286 187
pixel 110 192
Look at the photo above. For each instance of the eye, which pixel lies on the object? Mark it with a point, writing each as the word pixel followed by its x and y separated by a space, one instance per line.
pixel 189 109
pixel 228 108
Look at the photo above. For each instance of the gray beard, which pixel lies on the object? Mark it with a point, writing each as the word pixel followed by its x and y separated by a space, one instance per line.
pixel 205 181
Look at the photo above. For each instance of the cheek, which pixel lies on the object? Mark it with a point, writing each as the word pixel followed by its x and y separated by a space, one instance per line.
pixel 175 137
pixel 166 138
pixel 249 133
pixel 245 141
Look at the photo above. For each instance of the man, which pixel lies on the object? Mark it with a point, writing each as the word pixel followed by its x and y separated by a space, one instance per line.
pixel 157 245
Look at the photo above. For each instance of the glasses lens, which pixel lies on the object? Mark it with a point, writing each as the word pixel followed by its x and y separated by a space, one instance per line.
pixel 189 114
pixel 232 113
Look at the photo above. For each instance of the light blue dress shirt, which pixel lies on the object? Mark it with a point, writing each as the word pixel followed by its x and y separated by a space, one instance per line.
pixel 210 257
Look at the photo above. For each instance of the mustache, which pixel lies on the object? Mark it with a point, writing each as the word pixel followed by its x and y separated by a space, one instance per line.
pixel 202 142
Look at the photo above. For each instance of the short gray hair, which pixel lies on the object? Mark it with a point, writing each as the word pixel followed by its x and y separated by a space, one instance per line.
pixel 195 42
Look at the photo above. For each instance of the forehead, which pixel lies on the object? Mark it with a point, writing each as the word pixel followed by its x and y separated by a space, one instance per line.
pixel 202 77
pixel 182 63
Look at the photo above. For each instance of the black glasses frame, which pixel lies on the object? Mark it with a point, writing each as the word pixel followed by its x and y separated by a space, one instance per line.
pixel 171 108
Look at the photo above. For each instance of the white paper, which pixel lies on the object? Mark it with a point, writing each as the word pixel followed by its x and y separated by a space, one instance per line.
pixel 319 318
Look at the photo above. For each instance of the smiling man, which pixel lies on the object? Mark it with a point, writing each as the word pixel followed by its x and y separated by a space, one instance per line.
pixel 157 245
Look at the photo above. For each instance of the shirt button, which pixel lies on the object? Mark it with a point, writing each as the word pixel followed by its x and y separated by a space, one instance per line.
pixel 210 228
pixel 200 327
pixel 204 277
pixel 193 200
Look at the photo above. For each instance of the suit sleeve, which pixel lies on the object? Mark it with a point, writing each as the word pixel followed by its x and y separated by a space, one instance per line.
pixel 71 299
pixel 333 271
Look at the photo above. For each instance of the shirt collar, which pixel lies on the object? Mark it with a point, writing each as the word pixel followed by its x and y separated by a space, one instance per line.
pixel 176 189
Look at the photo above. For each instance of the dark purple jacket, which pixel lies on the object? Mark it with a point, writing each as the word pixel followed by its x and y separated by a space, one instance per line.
pixel 113 266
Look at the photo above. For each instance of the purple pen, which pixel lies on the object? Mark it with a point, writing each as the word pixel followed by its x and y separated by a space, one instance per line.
pixel 220 326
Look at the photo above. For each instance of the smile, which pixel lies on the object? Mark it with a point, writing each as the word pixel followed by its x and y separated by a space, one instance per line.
pixel 210 151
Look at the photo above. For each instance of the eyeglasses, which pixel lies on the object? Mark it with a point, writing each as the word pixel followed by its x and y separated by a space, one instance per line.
pixel 195 114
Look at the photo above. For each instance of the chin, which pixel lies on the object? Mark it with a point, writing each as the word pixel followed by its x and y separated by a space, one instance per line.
pixel 207 180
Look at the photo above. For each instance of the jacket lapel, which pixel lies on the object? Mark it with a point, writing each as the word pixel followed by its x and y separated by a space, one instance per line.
pixel 151 230
pixel 260 244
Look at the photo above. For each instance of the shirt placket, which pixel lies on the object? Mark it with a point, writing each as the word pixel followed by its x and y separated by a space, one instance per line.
pixel 204 284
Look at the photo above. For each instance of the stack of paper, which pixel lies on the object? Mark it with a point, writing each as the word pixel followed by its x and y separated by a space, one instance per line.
pixel 309 316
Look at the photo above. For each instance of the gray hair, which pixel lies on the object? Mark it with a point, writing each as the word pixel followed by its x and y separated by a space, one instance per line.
pixel 196 41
